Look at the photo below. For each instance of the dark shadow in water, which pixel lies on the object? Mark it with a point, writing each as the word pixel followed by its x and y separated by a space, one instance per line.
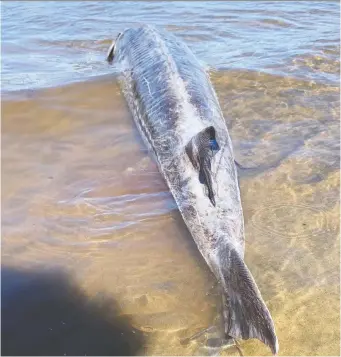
pixel 46 314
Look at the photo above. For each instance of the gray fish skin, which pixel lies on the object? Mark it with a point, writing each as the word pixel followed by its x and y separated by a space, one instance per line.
pixel 175 108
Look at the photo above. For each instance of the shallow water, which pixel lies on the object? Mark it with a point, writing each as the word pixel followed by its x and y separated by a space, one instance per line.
pixel 95 256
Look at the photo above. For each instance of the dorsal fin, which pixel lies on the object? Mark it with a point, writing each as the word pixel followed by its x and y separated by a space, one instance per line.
pixel 200 150
pixel 111 51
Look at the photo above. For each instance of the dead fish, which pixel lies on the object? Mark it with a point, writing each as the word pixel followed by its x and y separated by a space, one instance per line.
pixel 178 115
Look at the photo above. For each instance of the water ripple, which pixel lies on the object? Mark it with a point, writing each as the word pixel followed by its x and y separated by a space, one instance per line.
pixel 48 44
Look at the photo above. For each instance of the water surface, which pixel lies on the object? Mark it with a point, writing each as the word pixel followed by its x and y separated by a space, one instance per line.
pixel 96 258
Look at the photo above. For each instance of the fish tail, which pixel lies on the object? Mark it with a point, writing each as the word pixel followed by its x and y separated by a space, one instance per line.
pixel 245 313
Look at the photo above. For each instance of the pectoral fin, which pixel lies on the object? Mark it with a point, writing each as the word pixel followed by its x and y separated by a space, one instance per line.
pixel 200 150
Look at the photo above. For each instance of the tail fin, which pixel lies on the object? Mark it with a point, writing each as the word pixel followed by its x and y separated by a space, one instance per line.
pixel 245 314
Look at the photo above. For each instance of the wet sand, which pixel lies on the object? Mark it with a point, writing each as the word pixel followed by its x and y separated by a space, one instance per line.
pixel 96 258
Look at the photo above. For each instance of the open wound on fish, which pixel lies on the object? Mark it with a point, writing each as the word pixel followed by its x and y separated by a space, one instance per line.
pixel 200 150
pixel 111 51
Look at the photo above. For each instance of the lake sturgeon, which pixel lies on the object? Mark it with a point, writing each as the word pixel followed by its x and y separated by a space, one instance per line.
pixel 178 115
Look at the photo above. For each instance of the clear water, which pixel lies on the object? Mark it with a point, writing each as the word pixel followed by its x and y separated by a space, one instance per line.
pixel 96 259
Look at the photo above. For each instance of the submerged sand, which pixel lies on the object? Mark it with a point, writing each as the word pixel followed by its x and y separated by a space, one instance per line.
pixel 96 258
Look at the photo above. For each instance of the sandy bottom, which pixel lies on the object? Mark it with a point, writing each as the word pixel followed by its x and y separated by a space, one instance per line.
pixel 96 259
